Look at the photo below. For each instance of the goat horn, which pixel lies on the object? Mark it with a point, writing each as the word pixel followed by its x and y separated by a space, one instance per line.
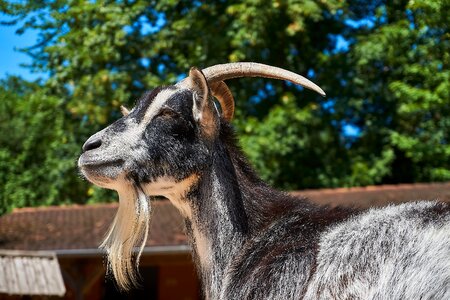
pixel 217 74
pixel 250 69
pixel 223 94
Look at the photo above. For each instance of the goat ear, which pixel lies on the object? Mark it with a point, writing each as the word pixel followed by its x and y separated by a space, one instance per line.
pixel 203 106
pixel 125 112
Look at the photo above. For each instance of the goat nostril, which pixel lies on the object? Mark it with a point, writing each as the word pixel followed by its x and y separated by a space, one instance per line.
pixel 91 145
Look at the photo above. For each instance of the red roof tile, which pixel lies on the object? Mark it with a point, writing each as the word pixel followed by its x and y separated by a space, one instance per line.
pixel 379 195
pixel 83 227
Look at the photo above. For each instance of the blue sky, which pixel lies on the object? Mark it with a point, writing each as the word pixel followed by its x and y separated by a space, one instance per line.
pixel 10 58
pixel 10 42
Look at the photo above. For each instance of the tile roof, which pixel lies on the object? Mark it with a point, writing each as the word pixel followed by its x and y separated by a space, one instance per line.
pixel 379 195
pixel 83 227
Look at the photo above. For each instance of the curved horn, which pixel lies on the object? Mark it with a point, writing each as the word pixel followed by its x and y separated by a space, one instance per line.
pixel 217 74
pixel 250 69
pixel 223 94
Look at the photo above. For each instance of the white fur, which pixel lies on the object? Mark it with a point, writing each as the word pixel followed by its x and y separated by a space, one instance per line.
pixel 384 254
pixel 131 223
pixel 173 190
pixel 128 230
pixel 157 103
pixel 218 244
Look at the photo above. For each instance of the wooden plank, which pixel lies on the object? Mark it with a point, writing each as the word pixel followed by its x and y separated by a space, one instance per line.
pixel 59 279
pixel 57 282
pixel 48 275
pixel 41 277
pixel 21 276
pixel 11 277
pixel 3 286
pixel 31 275
pixel 53 276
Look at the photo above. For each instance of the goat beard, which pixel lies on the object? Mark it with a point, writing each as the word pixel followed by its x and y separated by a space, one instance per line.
pixel 127 235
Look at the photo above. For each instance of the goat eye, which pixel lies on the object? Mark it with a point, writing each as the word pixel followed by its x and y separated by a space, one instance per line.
pixel 167 112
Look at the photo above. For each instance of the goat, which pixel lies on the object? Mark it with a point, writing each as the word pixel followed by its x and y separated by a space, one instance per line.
pixel 248 240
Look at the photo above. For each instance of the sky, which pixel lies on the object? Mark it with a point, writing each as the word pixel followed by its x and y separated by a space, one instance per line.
pixel 10 57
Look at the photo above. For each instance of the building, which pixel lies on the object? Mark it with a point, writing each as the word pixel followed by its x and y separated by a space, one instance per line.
pixel 30 236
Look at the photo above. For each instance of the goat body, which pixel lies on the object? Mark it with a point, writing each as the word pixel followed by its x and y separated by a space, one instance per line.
pixel 250 241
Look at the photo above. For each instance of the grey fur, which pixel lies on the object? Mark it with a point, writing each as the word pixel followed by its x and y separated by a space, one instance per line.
pixel 250 241
pixel 388 253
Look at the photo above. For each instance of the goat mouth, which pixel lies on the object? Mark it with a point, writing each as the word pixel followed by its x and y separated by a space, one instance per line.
pixel 100 164
pixel 106 177
pixel 85 161
pixel 100 171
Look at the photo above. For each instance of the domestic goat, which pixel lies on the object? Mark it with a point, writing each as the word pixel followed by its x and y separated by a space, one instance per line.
pixel 248 240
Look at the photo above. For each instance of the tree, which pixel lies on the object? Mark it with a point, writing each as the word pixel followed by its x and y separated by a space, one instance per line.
pixel 395 88
pixel 128 47
pixel 36 147
pixel 383 64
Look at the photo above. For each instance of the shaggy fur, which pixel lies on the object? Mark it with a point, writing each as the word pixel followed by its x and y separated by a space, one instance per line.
pixel 250 241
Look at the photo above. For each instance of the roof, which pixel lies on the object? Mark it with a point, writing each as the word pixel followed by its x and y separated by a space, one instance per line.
pixel 80 228
pixel 379 195
pixel 30 273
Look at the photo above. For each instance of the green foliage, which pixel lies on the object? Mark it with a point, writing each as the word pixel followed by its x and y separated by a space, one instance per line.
pixel 398 91
pixel 290 144
pixel 389 83
pixel 37 166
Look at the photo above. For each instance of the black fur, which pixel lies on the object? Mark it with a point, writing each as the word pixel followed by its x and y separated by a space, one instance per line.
pixel 249 240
